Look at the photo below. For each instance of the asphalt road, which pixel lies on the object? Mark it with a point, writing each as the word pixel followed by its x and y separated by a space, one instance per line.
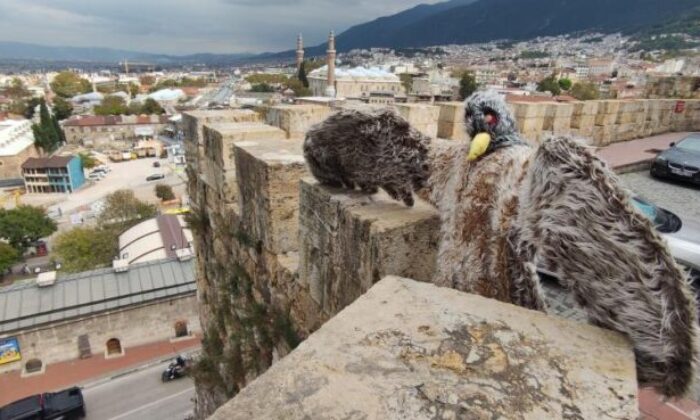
pixel 140 395
pixel 681 198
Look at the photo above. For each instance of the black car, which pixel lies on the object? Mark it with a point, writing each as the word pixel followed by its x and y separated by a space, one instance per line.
pixel 66 404
pixel 156 164
pixel 681 161
pixel 155 177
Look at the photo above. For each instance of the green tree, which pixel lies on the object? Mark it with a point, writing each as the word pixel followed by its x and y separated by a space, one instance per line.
pixel 59 131
pixel 302 75
pixel 467 84
pixel 17 89
pixel 298 87
pixel 549 84
pixel 151 106
pixel 18 107
pixel 62 109
pixel 262 87
pixel 47 136
pixel 68 84
pixel 112 105
pixel 83 249
pixel 165 192
pixel 133 90
pixel 123 210
pixel 87 160
pixel 8 257
pixel 256 79
pixel 407 82
pixel 584 91
pixel 565 84
pixel 24 225
pixel 32 103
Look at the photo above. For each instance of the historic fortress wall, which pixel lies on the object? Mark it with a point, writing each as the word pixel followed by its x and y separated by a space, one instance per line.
pixel 603 122
pixel 280 255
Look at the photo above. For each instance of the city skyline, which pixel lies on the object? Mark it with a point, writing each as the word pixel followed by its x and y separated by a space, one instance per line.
pixel 180 27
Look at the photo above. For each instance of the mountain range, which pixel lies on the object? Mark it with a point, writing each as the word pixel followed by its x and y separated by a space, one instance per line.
pixel 25 51
pixel 450 22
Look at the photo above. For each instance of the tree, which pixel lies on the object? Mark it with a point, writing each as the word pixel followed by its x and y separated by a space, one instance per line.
pixel 8 257
pixel 123 210
pixel 24 225
pixel 112 105
pixel 565 84
pixel 164 192
pixel 17 89
pixel 151 106
pixel 147 80
pixel 549 84
pixel 83 249
pixel 298 87
pixel 47 134
pixel 584 91
pixel 467 85
pixel 407 82
pixel 262 87
pixel 302 75
pixel 62 109
pixel 134 90
pixel 32 103
pixel 59 131
pixel 68 84
pixel 88 161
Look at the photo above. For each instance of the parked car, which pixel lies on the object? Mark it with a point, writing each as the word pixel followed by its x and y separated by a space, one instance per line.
pixel 95 176
pixel 681 161
pixel 155 177
pixel 156 164
pixel 66 404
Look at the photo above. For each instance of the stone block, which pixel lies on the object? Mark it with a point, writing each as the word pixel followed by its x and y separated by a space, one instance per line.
pixel 422 117
pixel 349 240
pixel 219 139
pixel 452 131
pixel 296 120
pixel 528 109
pixel 530 125
pixel 452 112
pixel 268 173
pixel 409 350
pixel 558 117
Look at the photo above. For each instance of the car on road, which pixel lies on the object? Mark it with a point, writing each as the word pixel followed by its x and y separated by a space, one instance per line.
pixel 155 177
pixel 681 161
pixel 156 164
pixel 66 404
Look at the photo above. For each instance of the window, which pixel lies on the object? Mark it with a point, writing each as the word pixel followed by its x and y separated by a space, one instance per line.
pixel 114 347
pixel 181 329
pixel 33 366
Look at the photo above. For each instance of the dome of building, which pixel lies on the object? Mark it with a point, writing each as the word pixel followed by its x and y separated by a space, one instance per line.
pixel 357 73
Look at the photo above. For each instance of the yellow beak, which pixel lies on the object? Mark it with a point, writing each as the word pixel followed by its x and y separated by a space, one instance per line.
pixel 478 146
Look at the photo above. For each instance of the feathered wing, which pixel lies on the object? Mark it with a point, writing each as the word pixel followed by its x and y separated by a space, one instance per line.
pixel 576 221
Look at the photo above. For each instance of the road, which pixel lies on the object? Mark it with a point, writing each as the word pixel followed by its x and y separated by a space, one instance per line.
pixel 140 395
pixel 681 198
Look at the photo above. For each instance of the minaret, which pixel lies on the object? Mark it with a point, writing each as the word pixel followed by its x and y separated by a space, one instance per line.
pixel 126 66
pixel 300 51
pixel 330 88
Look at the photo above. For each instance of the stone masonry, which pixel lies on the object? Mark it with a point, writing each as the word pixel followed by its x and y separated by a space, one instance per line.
pixel 407 350
pixel 279 255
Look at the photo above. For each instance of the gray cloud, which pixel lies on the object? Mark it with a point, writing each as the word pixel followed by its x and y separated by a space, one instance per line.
pixel 186 26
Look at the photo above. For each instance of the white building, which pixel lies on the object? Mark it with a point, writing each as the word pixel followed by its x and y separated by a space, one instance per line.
pixel 355 83
pixel 155 239
pixel 16 146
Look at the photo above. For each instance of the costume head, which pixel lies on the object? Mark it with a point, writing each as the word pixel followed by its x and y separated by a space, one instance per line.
pixel 489 123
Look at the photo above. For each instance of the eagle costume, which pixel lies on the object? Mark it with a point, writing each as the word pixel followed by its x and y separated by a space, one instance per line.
pixel 509 209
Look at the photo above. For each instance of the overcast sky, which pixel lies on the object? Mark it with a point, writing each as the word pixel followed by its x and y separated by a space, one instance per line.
pixel 186 26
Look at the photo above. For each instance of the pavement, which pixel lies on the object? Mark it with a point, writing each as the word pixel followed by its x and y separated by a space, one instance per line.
pixel 92 371
pixel 140 395
pixel 630 156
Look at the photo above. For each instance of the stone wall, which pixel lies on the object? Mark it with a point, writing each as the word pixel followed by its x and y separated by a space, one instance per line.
pixel 279 255
pixel 602 122
pixel 132 326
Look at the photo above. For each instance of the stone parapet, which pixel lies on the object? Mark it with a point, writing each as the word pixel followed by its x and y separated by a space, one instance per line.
pixel 451 123
pixel 296 120
pixel 350 240
pixel 422 117
pixel 412 350
pixel 268 174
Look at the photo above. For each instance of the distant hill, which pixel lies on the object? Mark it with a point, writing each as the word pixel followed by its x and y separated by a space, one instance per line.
pixel 487 20
pixel 25 51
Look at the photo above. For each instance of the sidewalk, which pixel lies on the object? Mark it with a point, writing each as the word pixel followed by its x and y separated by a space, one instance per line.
pixel 633 155
pixel 65 374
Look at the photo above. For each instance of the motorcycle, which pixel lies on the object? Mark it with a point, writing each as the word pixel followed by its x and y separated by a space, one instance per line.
pixel 175 370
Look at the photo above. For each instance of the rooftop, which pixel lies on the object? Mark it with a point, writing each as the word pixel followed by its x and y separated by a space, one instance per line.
pixel 358 73
pixel 95 120
pixel 47 162
pixel 15 136
pixel 82 294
